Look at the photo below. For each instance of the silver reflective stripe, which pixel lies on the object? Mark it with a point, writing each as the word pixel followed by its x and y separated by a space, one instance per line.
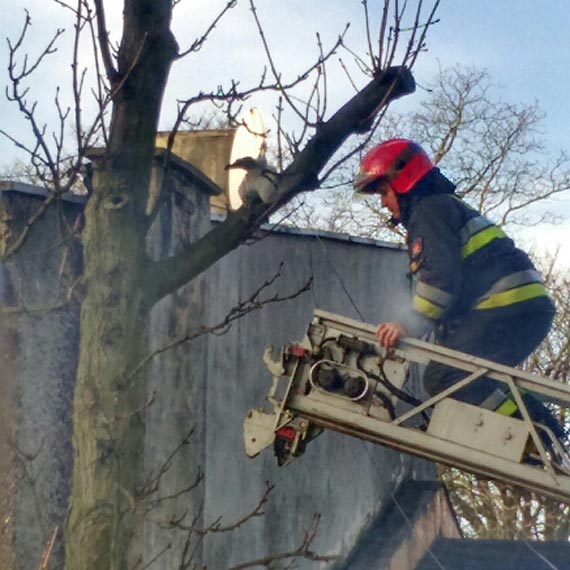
pixel 514 280
pixel 473 226
pixel 493 401
pixel 433 294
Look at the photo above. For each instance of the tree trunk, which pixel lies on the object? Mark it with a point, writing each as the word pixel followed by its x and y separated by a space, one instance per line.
pixel 108 433
pixel 104 526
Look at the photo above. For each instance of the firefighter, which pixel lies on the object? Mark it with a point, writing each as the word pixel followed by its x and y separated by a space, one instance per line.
pixel 481 294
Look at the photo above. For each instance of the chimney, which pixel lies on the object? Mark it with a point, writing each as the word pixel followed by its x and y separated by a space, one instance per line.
pixel 209 151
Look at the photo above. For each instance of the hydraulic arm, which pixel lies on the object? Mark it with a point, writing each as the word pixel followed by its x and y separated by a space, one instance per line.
pixel 339 378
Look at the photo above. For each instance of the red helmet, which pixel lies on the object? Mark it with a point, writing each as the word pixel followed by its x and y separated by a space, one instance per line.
pixel 401 162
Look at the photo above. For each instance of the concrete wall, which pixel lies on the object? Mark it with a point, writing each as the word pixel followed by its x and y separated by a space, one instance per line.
pixel 210 384
pixel 178 380
pixel 38 353
pixel 209 151
pixel 206 385
pixel 343 479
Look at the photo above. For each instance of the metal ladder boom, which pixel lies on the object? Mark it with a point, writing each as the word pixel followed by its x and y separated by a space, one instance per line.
pixel 337 349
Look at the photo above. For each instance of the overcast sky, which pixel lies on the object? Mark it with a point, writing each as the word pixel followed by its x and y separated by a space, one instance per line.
pixel 523 44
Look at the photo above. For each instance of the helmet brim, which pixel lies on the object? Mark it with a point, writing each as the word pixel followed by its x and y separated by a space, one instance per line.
pixel 365 184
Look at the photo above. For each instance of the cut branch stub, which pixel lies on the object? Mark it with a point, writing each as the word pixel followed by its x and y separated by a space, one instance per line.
pixel 352 118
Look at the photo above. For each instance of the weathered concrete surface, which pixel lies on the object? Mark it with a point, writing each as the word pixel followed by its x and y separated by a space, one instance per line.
pixel 343 479
pixel 38 352
pixel 206 386
pixel 209 151
pixel 177 383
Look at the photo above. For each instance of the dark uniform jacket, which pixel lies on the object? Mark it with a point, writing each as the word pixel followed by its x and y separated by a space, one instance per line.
pixel 462 261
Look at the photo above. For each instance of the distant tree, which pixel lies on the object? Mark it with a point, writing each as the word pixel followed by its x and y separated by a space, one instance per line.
pixel 20 171
pixel 493 150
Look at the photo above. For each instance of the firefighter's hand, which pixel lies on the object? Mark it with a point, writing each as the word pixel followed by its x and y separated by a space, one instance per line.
pixel 389 334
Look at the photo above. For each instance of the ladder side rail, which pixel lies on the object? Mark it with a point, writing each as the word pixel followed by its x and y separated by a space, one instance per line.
pixel 422 352
pixel 422 444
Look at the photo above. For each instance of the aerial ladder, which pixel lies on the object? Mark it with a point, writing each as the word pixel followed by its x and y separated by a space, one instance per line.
pixel 339 378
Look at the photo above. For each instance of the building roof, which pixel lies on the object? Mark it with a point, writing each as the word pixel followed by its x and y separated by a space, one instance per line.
pixel 32 190
pixel 179 166
pixel 496 555
pixel 324 234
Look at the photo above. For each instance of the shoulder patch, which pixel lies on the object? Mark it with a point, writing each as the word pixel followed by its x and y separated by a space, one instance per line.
pixel 415 266
pixel 417 248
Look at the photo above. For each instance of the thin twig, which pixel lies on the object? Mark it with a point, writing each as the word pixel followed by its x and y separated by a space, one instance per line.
pixel 49 549
pixel 251 304
pixel 198 43
pixel 302 551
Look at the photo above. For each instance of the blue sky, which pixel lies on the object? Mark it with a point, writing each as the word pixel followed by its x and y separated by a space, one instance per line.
pixel 523 44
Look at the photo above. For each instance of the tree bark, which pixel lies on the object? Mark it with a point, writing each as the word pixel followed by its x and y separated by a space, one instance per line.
pixel 104 526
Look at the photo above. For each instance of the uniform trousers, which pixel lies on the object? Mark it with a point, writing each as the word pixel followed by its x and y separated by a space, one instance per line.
pixel 501 336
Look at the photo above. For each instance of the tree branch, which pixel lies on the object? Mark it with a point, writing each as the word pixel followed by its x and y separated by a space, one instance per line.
pixel 111 71
pixel 216 526
pixel 253 303
pixel 302 174
pixel 303 551
pixel 199 42
pixel 46 557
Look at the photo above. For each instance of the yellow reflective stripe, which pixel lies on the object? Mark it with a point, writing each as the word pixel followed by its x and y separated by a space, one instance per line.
pixel 512 296
pixel 507 408
pixel 481 239
pixel 513 280
pixel 426 307
pixel 474 226
pixel 433 294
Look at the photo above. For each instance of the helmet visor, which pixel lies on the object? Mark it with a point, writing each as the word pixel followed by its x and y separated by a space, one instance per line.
pixel 367 185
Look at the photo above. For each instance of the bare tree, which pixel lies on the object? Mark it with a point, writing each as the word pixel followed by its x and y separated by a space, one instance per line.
pixel 120 283
pixel 493 150
pixel 494 510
